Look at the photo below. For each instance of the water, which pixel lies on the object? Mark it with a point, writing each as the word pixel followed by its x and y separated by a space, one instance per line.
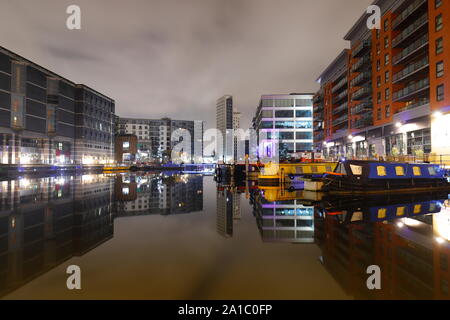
pixel 180 237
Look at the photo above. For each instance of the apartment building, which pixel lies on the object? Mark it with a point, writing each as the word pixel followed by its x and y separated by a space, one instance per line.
pixel 388 93
pixel 47 119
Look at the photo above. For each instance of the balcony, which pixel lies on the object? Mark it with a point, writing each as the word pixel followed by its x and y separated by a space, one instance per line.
pixel 364 61
pixel 341 120
pixel 420 103
pixel 339 109
pixel 318 107
pixel 318 115
pixel 340 97
pixel 364 45
pixel 319 97
pixel 361 108
pixel 411 70
pixel 362 77
pixel 319 137
pixel 422 42
pixel 340 85
pixel 361 93
pixel 408 12
pixel 411 90
pixel 408 32
pixel 364 121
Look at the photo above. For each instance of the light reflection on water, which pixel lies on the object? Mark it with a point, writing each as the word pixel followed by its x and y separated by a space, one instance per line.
pixel 170 236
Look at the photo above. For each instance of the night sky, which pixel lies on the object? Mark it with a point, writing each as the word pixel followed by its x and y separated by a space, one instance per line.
pixel 174 58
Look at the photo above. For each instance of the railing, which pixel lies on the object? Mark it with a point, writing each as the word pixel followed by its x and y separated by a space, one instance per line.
pixel 412 68
pixel 339 97
pixel 410 30
pixel 339 85
pixel 414 105
pixel 364 121
pixel 360 63
pixel 422 84
pixel 359 48
pixel 318 107
pixel 421 42
pixel 341 108
pixel 364 106
pixel 318 97
pixel 362 77
pixel 361 93
pixel 407 12
pixel 340 120
pixel 442 160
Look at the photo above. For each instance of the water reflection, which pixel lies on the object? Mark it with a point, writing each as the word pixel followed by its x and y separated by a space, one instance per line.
pixel 228 209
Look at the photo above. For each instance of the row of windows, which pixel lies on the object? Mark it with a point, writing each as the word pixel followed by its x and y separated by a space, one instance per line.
pixel 399 171
pixel 287 114
pixel 286 124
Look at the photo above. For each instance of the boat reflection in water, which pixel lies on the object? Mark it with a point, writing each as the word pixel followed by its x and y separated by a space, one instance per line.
pixel 406 236
pixel 45 222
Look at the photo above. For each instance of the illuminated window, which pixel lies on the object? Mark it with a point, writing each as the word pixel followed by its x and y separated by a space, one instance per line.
pixel 400 171
pixel 381 171
pixel 417 208
pixel 381 213
pixel 400 211
pixel 416 171
pixel 432 171
pixel 126 145
pixel 356 170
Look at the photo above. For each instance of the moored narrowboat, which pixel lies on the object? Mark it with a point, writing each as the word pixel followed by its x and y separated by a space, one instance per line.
pixel 372 177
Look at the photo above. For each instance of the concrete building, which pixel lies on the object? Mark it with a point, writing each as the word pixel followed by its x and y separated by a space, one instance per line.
pixel 156 138
pixel 224 124
pixel 47 119
pixel 388 93
pixel 287 120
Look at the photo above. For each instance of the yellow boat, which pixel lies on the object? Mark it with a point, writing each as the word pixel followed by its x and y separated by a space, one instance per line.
pixel 108 169
pixel 277 174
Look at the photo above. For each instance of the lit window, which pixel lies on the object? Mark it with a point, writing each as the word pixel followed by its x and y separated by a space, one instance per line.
pixel 400 171
pixel 417 208
pixel 381 171
pixel 416 171
pixel 126 145
pixel 432 171
pixel 356 170
pixel 400 211
pixel 381 213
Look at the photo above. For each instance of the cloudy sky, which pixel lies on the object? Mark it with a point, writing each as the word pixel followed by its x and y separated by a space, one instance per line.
pixel 174 58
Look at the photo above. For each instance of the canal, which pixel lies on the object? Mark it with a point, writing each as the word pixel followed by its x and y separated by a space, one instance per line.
pixel 170 236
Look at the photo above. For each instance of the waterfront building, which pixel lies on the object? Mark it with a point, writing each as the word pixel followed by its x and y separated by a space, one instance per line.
pixel 288 119
pixel 156 138
pixel 48 119
pixel 388 93
pixel 224 124
pixel 126 148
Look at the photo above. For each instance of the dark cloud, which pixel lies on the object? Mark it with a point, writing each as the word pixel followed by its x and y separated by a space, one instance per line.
pixel 176 57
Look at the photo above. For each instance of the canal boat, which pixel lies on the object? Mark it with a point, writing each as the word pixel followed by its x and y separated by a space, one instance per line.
pixel 374 177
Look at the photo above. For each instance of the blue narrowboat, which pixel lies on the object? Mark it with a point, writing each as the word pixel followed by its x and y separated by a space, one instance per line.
pixel 372 177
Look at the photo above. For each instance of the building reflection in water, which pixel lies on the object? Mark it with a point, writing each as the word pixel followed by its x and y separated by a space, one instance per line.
pixel 228 209
pixel 45 222
pixel 281 217
pixel 407 238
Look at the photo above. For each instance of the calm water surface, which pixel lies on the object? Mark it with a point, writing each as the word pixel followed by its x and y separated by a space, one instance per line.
pixel 183 237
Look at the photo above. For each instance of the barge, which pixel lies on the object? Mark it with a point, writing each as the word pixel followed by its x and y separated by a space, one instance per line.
pixel 373 177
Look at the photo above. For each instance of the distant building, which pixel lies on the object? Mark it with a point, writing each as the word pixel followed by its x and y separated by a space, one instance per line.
pixel 48 119
pixel 287 118
pixel 224 124
pixel 156 141
pixel 126 148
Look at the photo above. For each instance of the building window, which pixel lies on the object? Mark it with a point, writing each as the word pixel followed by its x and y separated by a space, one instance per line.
pixel 439 45
pixel 386 77
pixel 386 59
pixel 386 25
pixel 387 94
pixel 440 92
pixel 437 3
pixel 379 114
pixel 386 42
pixel 388 111
pixel 439 22
pixel 378 65
pixel 378 33
pixel 126 145
pixel 379 97
pixel 439 69
pixel 378 81
pixel 378 49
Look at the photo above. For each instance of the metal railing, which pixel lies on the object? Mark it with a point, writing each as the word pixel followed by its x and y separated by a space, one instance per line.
pixel 412 68
pixel 410 30
pixel 412 88
pixel 407 12
pixel 421 42
pixel 340 84
pixel 340 108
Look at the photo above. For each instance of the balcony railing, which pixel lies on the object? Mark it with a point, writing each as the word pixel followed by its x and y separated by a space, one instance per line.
pixel 360 48
pixel 408 51
pixel 407 12
pixel 339 97
pixel 411 69
pixel 360 78
pixel 364 91
pixel 410 30
pixel 362 107
pixel 411 89
pixel 341 108
pixel 364 121
pixel 419 103
pixel 360 63
pixel 340 84
pixel 318 97
pixel 318 107
pixel 340 120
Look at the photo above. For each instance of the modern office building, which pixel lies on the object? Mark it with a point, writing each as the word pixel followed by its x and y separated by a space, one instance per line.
pixel 388 93
pixel 287 119
pixel 47 119
pixel 156 138
pixel 224 124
